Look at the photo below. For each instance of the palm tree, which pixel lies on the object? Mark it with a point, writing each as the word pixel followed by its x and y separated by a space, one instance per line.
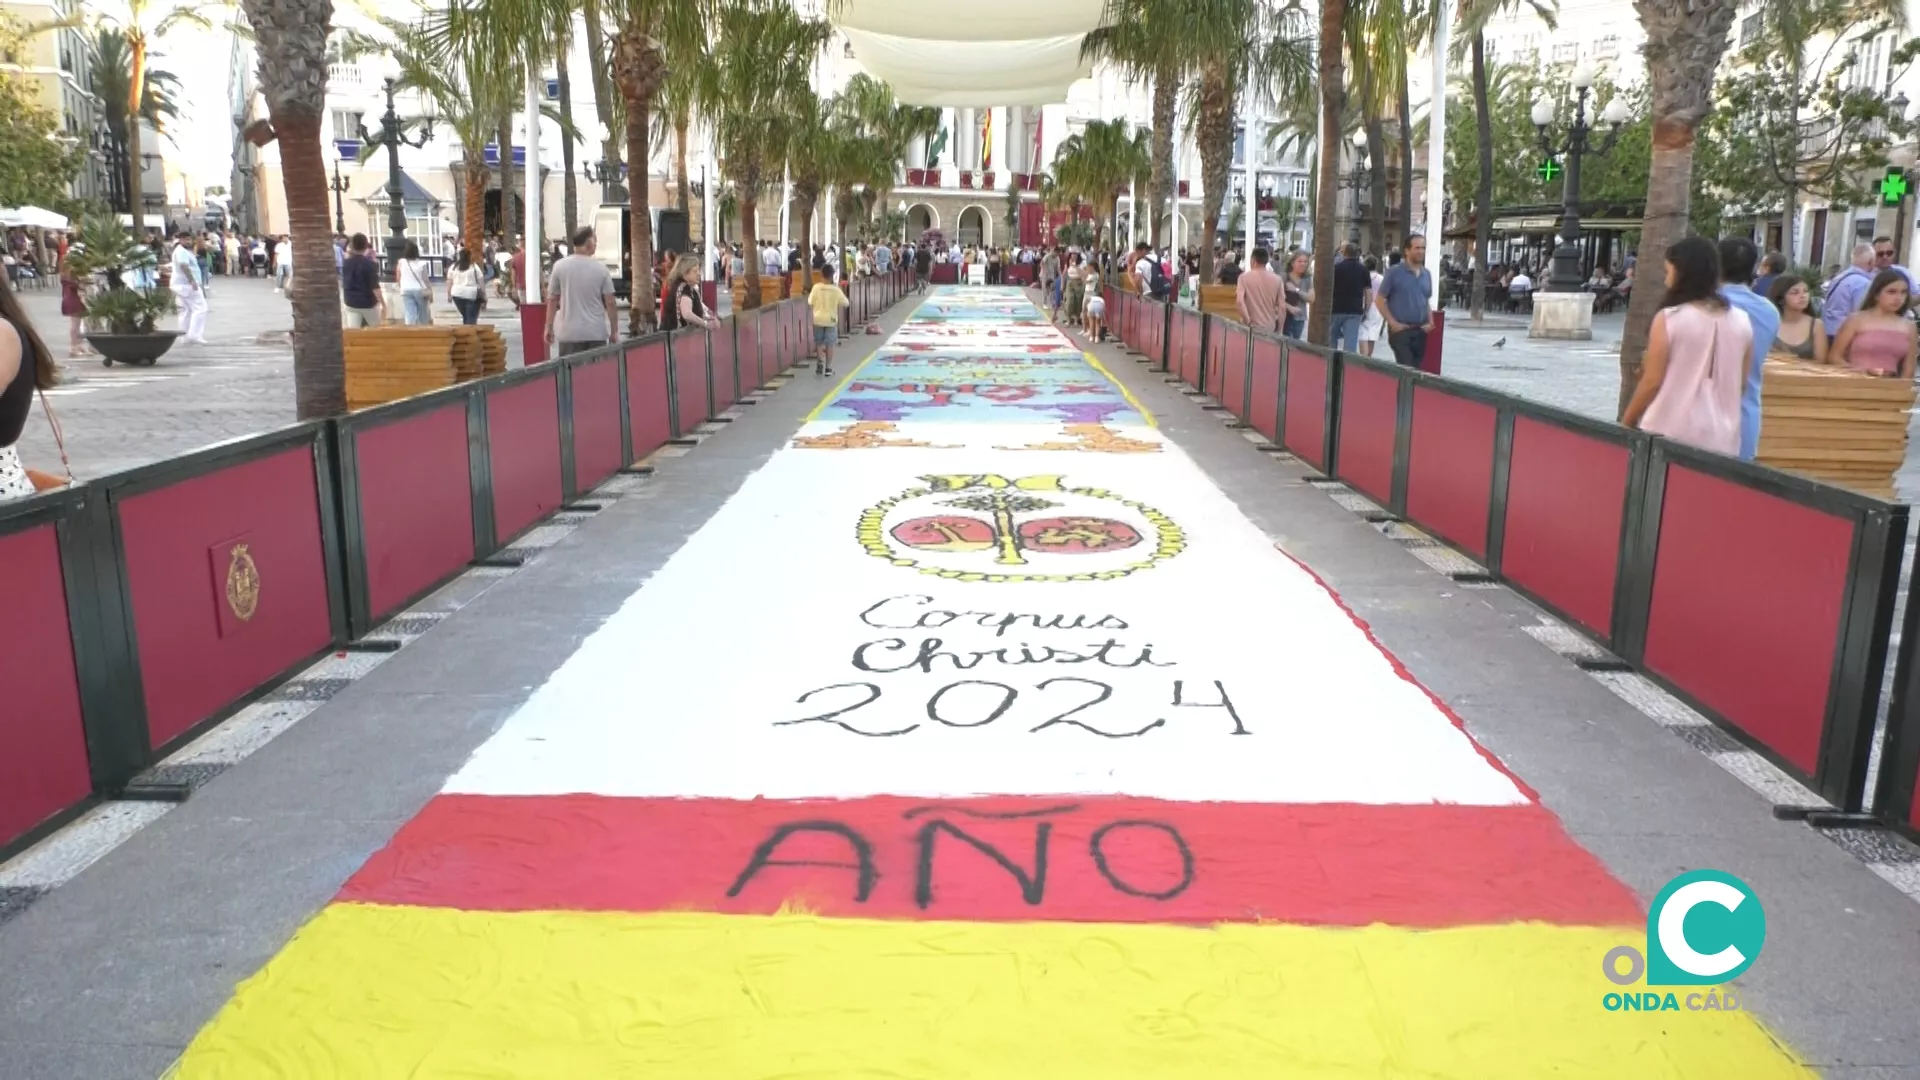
pixel 752 84
pixel 290 37
pixel 570 191
pixel 110 62
pixel 1234 49
pixel 1148 39
pixel 869 105
pixel 1471 31
pixel 1685 40
pixel 1381 37
pixel 605 101
pixel 146 22
pixel 650 35
pixel 1095 163
pixel 817 154
pixel 1333 95
pixel 674 120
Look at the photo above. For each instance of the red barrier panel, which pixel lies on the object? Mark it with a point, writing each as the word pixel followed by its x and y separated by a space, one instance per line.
pixel 523 435
pixel 1748 589
pixel 747 353
pixel 689 351
pixel 228 582
pixel 43 747
pixel 1369 424
pixel 1566 496
pixel 596 422
pixel 1263 388
pixel 1214 334
pixel 1450 467
pixel 726 389
pixel 649 406
pixel 944 274
pixel 1187 327
pixel 1232 363
pixel 415 503
pixel 1308 378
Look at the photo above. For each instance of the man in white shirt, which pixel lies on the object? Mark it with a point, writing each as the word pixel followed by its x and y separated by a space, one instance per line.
pixel 189 292
pixel 770 261
pixel 1521 283
pixel 1143 267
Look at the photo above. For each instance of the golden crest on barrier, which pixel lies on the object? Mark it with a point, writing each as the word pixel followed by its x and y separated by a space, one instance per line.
pixel 243 584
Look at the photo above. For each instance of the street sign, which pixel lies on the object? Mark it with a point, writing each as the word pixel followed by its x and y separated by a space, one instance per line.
pixel 1547 170
pixel 1893 186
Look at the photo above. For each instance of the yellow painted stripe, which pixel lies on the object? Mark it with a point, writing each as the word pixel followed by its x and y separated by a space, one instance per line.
pixel 1145 413
pixel 368 992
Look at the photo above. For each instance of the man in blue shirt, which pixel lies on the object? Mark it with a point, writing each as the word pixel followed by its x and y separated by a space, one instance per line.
pixel 1406 292
pixel 1847 289
pixel 1737 259
pixel 1772 265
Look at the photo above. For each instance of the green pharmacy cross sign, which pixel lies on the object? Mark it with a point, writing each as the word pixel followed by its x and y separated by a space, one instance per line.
pixel 1893 186
pixel 1548 169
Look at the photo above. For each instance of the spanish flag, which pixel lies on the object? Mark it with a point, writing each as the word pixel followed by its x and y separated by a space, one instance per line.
pixel 986 140
pixel 977 735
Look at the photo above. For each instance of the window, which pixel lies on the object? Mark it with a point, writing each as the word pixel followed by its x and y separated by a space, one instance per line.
pixel 848 50
pixel 1300 187
pixel 1750 28
pixel 346 124
pixel 1866 55
pixel 1566 53
pixel 1607 46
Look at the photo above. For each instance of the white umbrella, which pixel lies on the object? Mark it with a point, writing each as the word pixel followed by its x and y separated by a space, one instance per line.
pixel 32 217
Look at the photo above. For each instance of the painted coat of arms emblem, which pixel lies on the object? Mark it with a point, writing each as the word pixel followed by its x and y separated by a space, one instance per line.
pixel 243 584
pixel 987 527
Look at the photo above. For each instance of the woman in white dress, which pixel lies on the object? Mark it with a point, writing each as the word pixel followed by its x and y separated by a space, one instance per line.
pixel 1372 327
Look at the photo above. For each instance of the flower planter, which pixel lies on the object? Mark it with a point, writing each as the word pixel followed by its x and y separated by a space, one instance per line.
pixel 141 349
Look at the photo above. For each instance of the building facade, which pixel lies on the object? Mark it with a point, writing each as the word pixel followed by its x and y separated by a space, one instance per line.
pixel 56 63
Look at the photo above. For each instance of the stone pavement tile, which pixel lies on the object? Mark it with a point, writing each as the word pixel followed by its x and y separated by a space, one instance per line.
pixel 42 1060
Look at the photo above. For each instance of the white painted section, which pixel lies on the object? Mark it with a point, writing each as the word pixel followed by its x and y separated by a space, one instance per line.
pixel 1437 145
pixel 535 91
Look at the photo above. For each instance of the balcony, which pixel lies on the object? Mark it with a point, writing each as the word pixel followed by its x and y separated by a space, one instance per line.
pixel 348 76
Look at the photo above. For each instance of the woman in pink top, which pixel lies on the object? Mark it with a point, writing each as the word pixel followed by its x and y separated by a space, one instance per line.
pixel 1697 356
pixel 1878 339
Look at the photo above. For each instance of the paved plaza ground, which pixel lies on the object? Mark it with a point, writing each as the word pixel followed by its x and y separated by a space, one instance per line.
pixel 589 819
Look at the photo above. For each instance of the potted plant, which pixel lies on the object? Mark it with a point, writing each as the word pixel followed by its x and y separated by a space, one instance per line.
pixel 125 300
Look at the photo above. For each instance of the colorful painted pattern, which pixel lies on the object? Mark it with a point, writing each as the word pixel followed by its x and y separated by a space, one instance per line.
pixel 1034 759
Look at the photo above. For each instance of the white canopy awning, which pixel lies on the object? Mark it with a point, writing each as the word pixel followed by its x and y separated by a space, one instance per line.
pixel 996 52
pixel 32 217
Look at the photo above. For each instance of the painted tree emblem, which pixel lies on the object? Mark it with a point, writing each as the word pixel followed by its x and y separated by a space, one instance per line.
pixel 987 527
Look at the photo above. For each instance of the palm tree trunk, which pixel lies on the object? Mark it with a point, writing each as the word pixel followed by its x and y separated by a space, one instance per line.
pixel 473 218
pixel 1333 81
pixel 1376 185
pixel 603 89
pixel 1483 190
pixel 640 221
pixel 750 240
pixel 682 194
pixel 1216 158
pixel 806 206
pixel 1406 170
pixel 1166 86
pixel 507 222
pixel 319 372
pixel 136 91
pixel 1669 188
pixel 570 192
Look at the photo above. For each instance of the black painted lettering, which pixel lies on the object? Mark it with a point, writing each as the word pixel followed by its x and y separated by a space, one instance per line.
pixel 1225 702
pixel 865 871
pixel 1100 835
pixel 1033 886
pixel 1007 696
pixel 873 695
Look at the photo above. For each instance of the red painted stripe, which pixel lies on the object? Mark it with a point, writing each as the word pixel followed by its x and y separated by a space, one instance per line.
pixel 1107 860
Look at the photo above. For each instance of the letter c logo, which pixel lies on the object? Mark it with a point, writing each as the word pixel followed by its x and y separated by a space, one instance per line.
pixel 1733 923
pixel 1673 933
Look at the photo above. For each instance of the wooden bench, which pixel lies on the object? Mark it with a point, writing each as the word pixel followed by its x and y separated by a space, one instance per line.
pixel 388 363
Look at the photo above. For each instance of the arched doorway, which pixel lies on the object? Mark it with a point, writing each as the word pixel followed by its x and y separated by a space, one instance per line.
pixel 920 218
pixel 975 227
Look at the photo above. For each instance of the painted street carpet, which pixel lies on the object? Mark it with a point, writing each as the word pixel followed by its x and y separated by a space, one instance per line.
pixel 1037 760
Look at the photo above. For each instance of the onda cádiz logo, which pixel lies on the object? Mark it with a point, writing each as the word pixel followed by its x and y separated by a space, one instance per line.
pixel 1704 929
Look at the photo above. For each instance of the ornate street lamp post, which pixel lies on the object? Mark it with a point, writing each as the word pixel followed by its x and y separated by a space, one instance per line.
pixel 1356 182
pixel 607 172
pixel 393 136
pixel 338 186
pixel 1566 275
